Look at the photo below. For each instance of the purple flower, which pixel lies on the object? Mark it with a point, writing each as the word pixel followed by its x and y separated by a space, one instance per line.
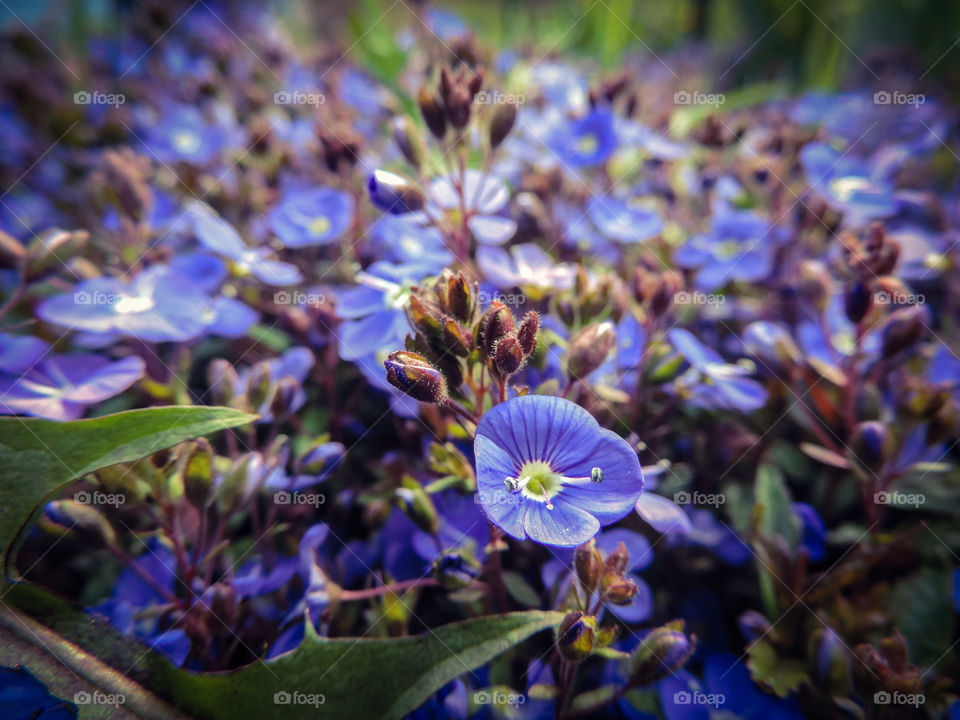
pixel 585 141
pixel 711 382
pixel 316 216
pixel 739 246
pixel 19 352
pixel 547 470
pixel 484 196
pixel 219 236
pixel 525 266
pixel 623 221
pixel 404 240
pixel 59 387
pixel 848 184
pixel 184 134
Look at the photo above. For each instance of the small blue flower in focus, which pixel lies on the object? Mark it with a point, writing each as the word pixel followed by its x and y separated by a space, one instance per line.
pixel 484 198
pixel 316 216
pixel 537 459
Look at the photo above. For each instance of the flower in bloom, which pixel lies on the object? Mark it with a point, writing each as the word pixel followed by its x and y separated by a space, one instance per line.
pixel 739 246
pixel 483 197
pixel 848 184
pixel 315 216
pixel 525 266
pixel 59 387
pixel 713 383
pixel 186 135
pixel 217 235
pixel 23 696
pixel 547 470
pixel 622 220
pixel 20 352
pixel 585 141
pixel 405 240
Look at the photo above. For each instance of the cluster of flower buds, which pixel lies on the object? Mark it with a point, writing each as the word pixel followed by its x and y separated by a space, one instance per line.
pixel 452 102
pixel 655 290
pixel 604 577
pixel 885 670
pixel 610 91
pixel 449 330
pixel 579 635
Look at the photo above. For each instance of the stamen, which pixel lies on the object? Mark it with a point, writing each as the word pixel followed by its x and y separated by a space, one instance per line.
pixel 596 475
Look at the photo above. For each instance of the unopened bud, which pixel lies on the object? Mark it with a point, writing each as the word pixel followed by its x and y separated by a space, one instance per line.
pixel 858 301
pixel 416 503
pixel 456 338
pixel 576 636
pixel 320 458
pixel 497 322
pixel 621 592
pixel 432 113
pixel 753 626
pixel 51 249
pixel 198 474
pixel 589 349
pixel 502 123
pixel 222 381
pixel 69 515
pixel 904 328
pixel 870 444
pixel 459 297
pixel 527 333
pixel 285 397
pixel 260 385
pixel 454 570
pixel 415 376
pixel 394 194
pixel 589 565
pixel 507 356
pixel 662 652
pixel 408 139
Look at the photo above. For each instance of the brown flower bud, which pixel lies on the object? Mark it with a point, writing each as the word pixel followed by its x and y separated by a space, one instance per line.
pixel 589 565
pixel 589 349
pixel 904 328
pixel 432 114
pixel 407 138
pixel 416 377
pixel 622 592
pixel 459 298
pixel 527 333
pixel 502 123
pixel 456 338
pixel 496 322
pixel 507 356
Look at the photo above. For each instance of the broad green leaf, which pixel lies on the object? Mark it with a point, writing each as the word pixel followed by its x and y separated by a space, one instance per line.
pixel 357 677
pixel 773 502
pixel 520 590
pixel 767 667
pixel 922 611
pixel 40 456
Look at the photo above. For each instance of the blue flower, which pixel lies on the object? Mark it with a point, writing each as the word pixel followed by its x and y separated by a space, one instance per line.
pixel 220 237
pixel 161 304
pixel 711 382
pixel 848 184
pixel 59 387
pixel 404 240
pixel 584 141
pixel 20 352
pixel 316 216
pixel 623 221
pixel 814 530
pixel 525 266
pixel 739 246
pixel 184 134
pixel 547 470
pixel 23 697
pixel 373 311
pixel 484 196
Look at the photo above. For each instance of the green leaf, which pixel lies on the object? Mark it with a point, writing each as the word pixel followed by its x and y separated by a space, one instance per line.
pixel 41 456
pixel 922 611
pixel 773 501
pixel 782 675
pixel 520 589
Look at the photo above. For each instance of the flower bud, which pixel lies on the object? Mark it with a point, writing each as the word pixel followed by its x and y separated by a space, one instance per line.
pixel 67 515
pixel 456 338
pixel 51 249
pixel 589 565
pixel 497 322
pixel 502 123
pixel 235 487
pixel 507 356
pixel 320 458
pixel 198 474
pixel 284 397
pixel 394 194
pixel 454 570
pixel 753 626
pixel 576 636
pixel 432 114
pixel 663 651
pixel 621 592
pixel 408 139
pixel 416 503
pixel 858 302
pixel 589 349
pixel 416 377
pixel 459 302
pixel 527 333
pixel 870 445
pixel 904 328
pixel 260 385
pixel 222 380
